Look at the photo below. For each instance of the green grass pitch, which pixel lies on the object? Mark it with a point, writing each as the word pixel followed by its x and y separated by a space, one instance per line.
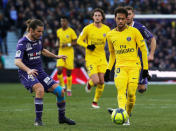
pixel 154 111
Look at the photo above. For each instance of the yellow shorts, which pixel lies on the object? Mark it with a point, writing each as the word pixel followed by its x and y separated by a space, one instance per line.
pixel 126 75
pixel 94 68
pixel 68 64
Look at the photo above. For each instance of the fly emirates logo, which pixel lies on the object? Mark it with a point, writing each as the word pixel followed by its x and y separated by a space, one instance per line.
pixel 34 55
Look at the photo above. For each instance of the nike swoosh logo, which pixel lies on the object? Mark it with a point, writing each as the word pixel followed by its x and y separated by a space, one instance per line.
pixel 113 41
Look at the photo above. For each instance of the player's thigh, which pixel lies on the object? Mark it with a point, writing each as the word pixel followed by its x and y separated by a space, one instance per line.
pixel 28 80
pixel 101 72
pixel 133 80
pixel 45 80
pixel 69 63
pixel 60 63
pixel 91 68
pixel 121 78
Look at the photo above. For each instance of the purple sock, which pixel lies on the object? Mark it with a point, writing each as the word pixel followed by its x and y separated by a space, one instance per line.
pixel 38 108
pixel 61 110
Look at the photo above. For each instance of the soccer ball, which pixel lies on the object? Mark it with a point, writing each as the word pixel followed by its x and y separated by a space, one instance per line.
pixel 119 116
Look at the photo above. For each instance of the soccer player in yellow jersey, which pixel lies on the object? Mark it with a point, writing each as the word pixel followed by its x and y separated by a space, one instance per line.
pixel 93 38
pixel 66 40
pixel 123 42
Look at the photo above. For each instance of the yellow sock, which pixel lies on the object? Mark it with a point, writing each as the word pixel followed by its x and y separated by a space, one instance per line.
pixel 69 83
pixel 98 92
pixel 61 80
pixel 121 98
pixel 91 83
pixel 130 104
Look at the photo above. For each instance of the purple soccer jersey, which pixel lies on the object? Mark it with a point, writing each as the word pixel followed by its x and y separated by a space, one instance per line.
pixel 147 36
pixel 144 31
pixel 30 54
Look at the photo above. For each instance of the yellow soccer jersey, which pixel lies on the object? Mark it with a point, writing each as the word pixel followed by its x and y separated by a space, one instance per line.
pixel 123 47
pixel 91 35
pixel 65 37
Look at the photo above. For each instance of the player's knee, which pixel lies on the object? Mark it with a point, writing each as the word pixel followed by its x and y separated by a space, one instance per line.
pixel 68 73
pixel 101 82
pixel 141 88
pixel 59 71
pixel 96 82
pixel 39 92
pixel 131 95
pixel 59 92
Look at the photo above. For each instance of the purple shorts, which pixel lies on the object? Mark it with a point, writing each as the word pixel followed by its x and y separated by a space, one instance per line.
pixel 141 80
pixel 28 80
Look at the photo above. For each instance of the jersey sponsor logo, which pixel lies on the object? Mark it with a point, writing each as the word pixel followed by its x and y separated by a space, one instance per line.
pixel 142 41
pixel 18 53
pixel 98 42
pixel 128 38
pixel 34 55
pixel 124 51
pixel 28 46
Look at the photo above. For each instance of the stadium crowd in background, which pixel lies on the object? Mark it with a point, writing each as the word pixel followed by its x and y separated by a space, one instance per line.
pixel 18 11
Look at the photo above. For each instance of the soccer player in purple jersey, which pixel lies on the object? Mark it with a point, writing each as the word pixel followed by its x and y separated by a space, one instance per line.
pixel 31 73
pixel 147 36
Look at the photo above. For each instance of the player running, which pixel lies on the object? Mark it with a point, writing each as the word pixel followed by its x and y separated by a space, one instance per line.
pixel 123 42
pixel 93 38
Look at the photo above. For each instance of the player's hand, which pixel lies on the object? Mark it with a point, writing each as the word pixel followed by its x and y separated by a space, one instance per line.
pixel 91 47
pixel 107 75
pixel 64 57
pixel 32 72
pixel 145 74
pixel 150 57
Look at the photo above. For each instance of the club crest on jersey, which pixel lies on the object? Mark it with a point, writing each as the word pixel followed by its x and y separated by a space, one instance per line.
pixel 28 46
pixel 67 36
pixel 104 35
pixel 128 38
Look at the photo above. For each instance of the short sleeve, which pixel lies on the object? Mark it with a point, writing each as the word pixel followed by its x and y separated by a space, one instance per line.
pixel 20 50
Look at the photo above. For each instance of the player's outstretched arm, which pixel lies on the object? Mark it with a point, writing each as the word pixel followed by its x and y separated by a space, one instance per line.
pixel 47 53
pixel 152 50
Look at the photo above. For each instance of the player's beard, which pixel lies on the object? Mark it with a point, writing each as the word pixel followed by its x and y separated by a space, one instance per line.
pixel 35 37
pixel 121 27
pixel 129 22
